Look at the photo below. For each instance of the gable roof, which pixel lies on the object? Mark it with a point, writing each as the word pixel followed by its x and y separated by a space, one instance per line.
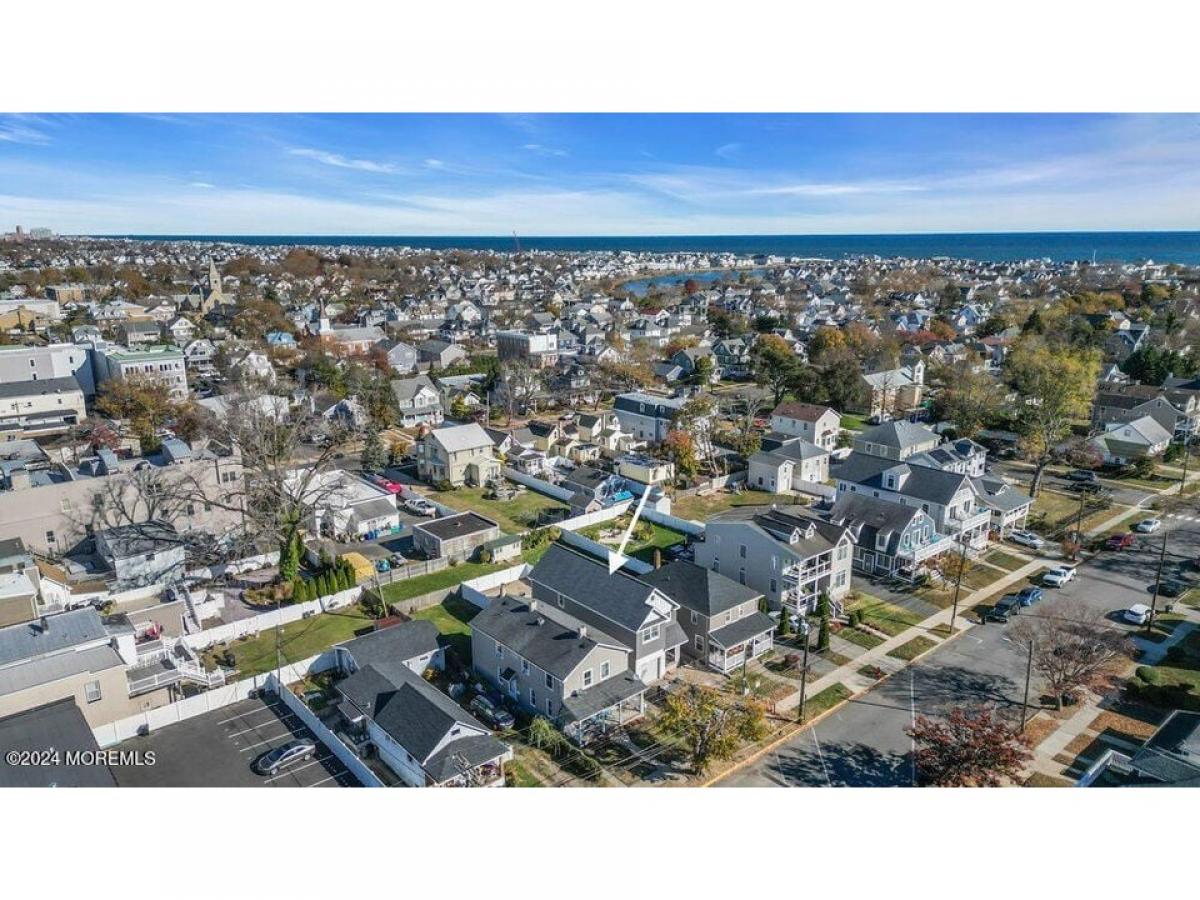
pixel 621 597
pixel 703 590
pixel 806 412
pixel 393 646
pixel 461 437
pixel 899 433
pixel 547 637
pixel 922 482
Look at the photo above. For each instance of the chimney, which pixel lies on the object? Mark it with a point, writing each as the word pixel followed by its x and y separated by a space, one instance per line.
pixel 533 605
pixel 45 625
pixel 582 631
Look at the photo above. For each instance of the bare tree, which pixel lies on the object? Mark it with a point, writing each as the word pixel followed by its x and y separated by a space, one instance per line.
pixel 1072 648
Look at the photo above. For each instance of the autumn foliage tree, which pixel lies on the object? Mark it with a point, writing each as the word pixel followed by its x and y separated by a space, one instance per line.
pixel 711 727
pixel 680 449
pixel 145 403
pixel 969 748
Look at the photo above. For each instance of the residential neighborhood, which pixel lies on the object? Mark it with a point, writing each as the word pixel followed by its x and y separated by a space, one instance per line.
pixel 478 521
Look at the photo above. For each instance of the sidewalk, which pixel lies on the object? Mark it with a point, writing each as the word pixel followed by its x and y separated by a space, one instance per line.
pixel 848 674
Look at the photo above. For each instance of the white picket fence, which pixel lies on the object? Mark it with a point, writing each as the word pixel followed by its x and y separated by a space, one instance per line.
pixel 538 484
pixel 348 757
pixel 189 708
pixel 594 518
pixel 687 526
pixel 600 551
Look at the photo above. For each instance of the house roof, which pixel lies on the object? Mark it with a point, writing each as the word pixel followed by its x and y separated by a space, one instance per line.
pixel 59 726
pixel 406 389
pixel 806 412
pixel 40 387
pixel 742 629
pixel 869 518
pixel 921 482
pixel 900 434
pixel 30 639
pixel 695 587
pixel 460 525
pixel 461 437
pixel 620 597
pixel 393 646
pixel 547 637
pixel 1172 755
pixel 600 696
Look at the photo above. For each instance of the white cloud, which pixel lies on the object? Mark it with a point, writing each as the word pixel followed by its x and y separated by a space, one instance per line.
pixel 728 151
pixel 345 162
pixel 15 131
pixel 543 150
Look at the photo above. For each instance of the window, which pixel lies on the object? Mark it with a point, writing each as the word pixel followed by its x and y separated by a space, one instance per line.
pixel 742 551
pixel 549 680
pixel 49 537
pixel 605 668
pixel 499 649
pixel 699 643
pixel 650 634
pixel 549 706
pixel 525 667
pixel 742 576
pixel 695 617
pixel 91 691
pixel 774 587
pixel 587 678
pixel 532 697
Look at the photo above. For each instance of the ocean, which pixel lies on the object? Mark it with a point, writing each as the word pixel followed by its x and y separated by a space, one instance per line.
pixel 1108 246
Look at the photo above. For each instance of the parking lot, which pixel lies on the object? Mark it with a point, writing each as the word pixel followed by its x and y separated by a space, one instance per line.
pixel 217 749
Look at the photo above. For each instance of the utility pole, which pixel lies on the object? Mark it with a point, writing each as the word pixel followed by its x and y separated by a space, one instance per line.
pixel 1162 556
pixel 1028 673
pixel 1079 520
pixel 803 665
pixel 962 565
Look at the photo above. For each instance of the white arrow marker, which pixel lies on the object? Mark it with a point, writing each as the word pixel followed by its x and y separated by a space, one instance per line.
pixel 617 558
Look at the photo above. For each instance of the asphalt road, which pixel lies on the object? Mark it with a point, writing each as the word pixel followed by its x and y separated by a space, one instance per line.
pixel 864 744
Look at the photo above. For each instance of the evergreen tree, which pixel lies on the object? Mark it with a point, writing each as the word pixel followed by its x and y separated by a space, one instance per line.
pixel 785 626
pixel 289 557
pixel 374 454
pixel 825 612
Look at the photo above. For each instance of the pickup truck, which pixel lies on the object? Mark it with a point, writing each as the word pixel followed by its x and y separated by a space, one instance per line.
pixel 1059 577
pixel 1120 541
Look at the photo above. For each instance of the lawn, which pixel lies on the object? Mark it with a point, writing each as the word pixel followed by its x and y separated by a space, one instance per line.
pixel 298 640
pixel 914 648
pixel 662 538
pixel 1175 683
pixel 826 699
pixel 450 577
pixel 1004 560
pixel 861 638
pixel 451 618
pixel 701 509
pixel 513 516
pixel 884 616
pixel 852 422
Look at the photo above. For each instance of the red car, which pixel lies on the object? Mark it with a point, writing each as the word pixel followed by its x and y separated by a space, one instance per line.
pixel 1119 541
pixel 391 487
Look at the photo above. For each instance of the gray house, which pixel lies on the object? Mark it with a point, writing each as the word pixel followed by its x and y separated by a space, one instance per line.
pixel 720 617
pixel 789 557
pixel 401 357
pixel 551 664
pixel 636 614
pixel 418 400
pixel 456 537
pixel 889 539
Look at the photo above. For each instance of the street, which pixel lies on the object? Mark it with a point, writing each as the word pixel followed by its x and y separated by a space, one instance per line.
pixel 864 743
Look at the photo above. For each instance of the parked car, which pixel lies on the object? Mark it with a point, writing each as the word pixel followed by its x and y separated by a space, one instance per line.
pixel 1083 475
pixel 1006 606
pixel 387 484
pixel 1148 526
pixel 1059 576
pixel 1030 595
pixel 492 715
pixel 1171 588
pixel 1138 614
pixel 1026 539
pixel 419 506
pixel 282 757
pixel 1120 541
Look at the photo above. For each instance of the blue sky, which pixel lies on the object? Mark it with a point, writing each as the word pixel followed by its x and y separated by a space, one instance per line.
pixel 598 174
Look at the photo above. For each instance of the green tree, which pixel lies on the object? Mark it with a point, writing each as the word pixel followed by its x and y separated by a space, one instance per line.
pixel 289 557
pixel 711 727
pixel 825 614
pixel 968 398
pixel 774 365
pixel 1054 388
pixel 374 454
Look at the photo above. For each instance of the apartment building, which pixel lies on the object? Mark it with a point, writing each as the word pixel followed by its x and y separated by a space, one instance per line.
pixel 160 362
pixel 37 408
pixel 21 364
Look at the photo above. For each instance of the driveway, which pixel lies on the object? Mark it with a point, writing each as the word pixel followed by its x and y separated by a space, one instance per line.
pixel 216 750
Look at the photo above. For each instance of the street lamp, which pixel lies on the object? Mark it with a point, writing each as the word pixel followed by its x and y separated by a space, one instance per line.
pixel 804 629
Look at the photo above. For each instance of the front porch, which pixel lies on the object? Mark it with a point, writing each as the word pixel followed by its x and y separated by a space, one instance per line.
pixel 741 641
pixel 606 706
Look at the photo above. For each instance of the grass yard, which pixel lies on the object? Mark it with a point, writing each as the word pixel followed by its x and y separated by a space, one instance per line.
pixel 914 648
pixel 1004 560
pixel 852 422
pixel 1175 683
pixel 884 616
pixel 826 699
pixel 298 640
pixel 861 638
pixel 513 516
pixel 663 537
pixel 701 509
pixel 450 577
pixel 451 618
